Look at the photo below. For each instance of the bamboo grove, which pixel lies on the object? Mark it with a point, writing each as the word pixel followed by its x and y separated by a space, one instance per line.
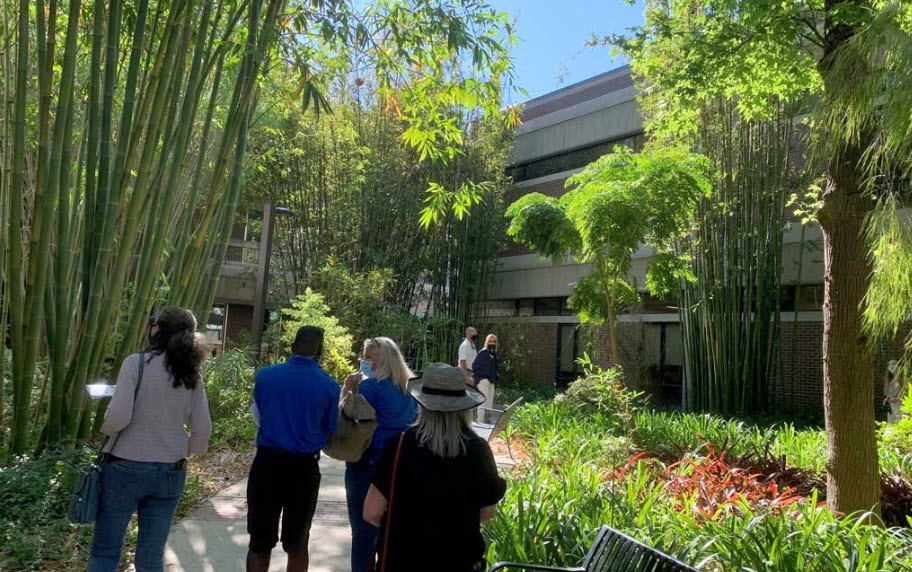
pixel 730 312
pixel 124 138
pixel 356 196
pixel 96 179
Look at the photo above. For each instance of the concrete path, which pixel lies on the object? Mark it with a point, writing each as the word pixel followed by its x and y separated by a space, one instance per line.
pixel 213 538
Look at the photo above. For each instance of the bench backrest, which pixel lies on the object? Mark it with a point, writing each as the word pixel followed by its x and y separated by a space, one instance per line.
pixel 614 551
pixel 504 418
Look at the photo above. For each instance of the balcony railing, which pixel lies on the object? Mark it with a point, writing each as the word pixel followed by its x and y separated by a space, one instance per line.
pixel 241 252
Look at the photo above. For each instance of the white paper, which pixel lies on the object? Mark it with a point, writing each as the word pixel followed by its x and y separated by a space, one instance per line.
pixel 100 390
pixel 255 412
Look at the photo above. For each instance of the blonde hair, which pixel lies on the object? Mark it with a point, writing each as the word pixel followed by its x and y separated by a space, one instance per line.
pixel 488 338
pixel 392 364
pixel 443 432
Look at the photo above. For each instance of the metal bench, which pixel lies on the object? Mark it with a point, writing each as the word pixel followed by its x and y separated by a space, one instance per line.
pixel 488 431
pixel 613 551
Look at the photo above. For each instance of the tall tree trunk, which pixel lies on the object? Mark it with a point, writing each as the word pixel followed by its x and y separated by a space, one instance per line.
pixel 848 364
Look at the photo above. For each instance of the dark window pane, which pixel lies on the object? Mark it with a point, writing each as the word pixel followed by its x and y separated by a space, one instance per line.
pixel 571 159
pixel 548 306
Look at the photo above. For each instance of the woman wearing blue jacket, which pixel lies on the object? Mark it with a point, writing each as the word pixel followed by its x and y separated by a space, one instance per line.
pixel 383 382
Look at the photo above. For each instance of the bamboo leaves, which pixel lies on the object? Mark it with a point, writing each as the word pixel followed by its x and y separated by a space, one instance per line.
pixel 124 161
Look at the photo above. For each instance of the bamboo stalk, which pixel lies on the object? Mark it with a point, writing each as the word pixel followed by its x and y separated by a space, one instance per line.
pixel 163 223
pixel 17 191
pixel 106 206
pixel 57 183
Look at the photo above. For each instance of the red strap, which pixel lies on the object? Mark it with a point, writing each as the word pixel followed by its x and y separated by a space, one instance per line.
pixel 389 509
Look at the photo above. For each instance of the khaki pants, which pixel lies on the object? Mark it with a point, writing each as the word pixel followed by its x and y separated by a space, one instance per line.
pixel 487 388
pixel 896 412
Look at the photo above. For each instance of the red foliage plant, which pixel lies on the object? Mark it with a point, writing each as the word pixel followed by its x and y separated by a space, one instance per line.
pixel 711 487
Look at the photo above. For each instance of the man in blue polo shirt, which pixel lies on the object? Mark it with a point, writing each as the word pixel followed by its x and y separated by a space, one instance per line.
pixel 297 405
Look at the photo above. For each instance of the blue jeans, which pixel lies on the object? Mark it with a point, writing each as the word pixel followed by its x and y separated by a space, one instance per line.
pixel 150 489
pixel 364 534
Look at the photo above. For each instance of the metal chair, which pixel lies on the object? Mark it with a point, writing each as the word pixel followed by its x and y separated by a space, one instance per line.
pixel 488 431
pixel 612 551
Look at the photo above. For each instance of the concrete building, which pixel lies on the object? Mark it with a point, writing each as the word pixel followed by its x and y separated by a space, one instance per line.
pixel 561 133
pixel 231 319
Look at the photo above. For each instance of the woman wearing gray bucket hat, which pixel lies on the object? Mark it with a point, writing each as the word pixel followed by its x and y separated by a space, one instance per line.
pixel 436 483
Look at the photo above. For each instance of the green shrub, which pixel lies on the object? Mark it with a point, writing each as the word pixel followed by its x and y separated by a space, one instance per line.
pixel 310 309
pixel 896 446
pixel 512 389
pixel 229 387
pixel 601 391
pixel 34 496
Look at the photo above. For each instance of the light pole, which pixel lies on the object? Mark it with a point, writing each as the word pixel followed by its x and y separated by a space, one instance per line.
pixel 262 284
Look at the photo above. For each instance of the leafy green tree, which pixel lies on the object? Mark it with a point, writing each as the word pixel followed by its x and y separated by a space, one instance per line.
pixel 616 203
pixel 310 309
pixel 848 62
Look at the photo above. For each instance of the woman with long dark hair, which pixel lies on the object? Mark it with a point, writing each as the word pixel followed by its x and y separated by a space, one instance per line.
pixel 159 392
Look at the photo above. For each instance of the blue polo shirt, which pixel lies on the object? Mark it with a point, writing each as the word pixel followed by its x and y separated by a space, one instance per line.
pixel 396 411
pixel 298 404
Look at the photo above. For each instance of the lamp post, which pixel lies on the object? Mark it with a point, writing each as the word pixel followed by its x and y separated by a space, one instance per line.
pixel 262 284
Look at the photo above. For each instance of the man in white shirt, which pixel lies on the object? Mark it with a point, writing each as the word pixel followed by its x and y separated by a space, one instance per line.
pixel 467 354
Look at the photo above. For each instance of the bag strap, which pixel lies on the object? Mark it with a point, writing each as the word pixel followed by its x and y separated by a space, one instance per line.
pixel 389 510
pixel 139 378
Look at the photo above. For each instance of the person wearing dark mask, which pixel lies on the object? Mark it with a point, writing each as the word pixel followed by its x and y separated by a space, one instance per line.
pixel 467 354
pixel 485 370
pixel 297 406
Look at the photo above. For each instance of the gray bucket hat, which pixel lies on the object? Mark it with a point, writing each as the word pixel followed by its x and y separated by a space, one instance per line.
pixel 443 388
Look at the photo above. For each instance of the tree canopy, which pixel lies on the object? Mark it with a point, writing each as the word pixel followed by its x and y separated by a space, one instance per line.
pixel 614 205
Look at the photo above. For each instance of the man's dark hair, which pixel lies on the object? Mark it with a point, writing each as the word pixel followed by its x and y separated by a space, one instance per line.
pixel 308 341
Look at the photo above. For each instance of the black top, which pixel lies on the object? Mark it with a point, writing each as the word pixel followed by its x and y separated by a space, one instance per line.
pixel 436 505
pixel 485 366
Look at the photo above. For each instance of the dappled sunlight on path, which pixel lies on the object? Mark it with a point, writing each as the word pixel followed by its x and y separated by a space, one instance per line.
pixel 213 537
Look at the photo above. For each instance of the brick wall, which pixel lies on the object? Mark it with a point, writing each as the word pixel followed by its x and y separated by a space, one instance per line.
pixel 807 388
pixel 529 350
pixel 808 366
pixel 614 84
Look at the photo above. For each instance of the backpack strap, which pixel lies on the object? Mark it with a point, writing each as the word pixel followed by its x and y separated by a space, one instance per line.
pixel 389 509
pixel 139 378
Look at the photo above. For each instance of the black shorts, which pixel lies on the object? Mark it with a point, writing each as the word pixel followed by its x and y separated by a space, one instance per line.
pixel 281 483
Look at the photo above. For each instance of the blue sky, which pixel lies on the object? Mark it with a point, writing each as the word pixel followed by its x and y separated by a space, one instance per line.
pixel 552 36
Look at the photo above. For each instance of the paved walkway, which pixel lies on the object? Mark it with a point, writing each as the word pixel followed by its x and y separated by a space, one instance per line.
pixel 213 538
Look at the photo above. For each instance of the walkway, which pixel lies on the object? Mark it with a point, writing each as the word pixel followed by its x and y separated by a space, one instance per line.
pixel 213 538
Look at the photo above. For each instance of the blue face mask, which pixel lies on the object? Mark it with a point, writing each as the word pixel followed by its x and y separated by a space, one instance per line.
pixel 366 368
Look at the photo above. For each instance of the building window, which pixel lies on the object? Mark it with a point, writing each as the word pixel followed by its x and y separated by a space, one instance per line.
pixel 810 299
pixel 653 305
pixel 573 342
pixel 215 327
pixel 572 159
pixel 549 306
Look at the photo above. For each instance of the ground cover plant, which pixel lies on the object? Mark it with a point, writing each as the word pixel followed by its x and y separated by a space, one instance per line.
pixel 720 494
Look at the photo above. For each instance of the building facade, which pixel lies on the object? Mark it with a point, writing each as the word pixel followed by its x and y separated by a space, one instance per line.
pixel 561 133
